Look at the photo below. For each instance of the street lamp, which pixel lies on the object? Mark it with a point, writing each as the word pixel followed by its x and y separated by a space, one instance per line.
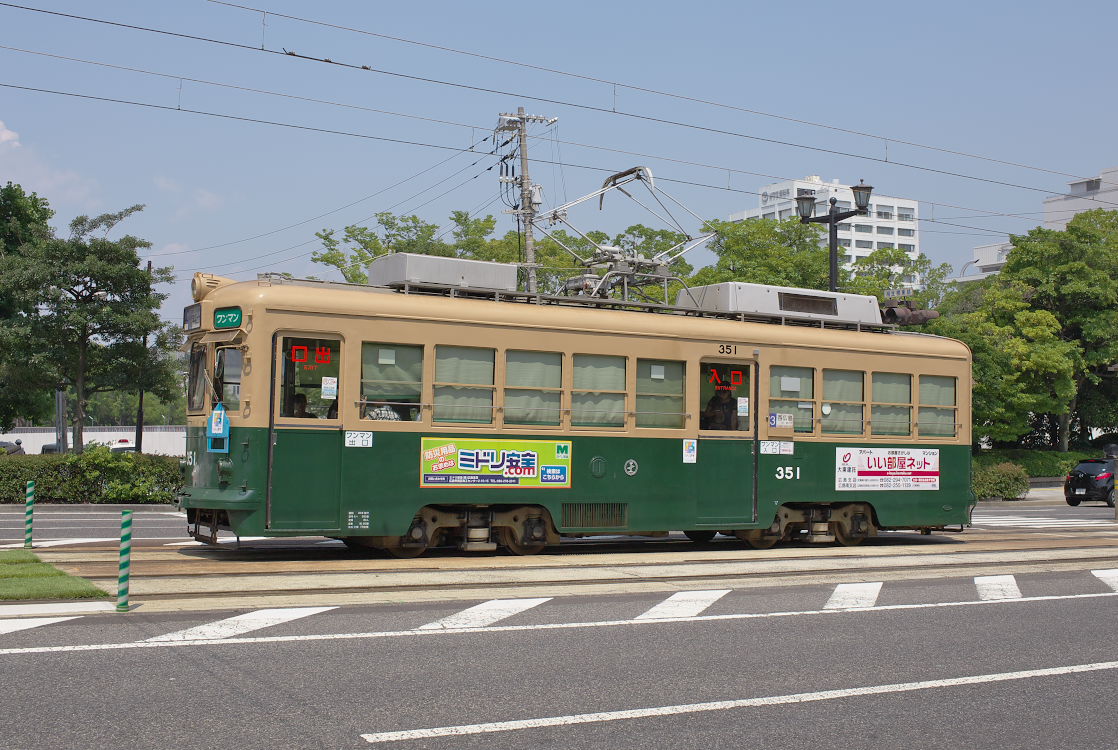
pixel 805 207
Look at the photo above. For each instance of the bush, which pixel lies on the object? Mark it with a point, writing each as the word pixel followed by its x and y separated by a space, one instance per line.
pixel 1036 463
pixel 1004 481
pixel 96 476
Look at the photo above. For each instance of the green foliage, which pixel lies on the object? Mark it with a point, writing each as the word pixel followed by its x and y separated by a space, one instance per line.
pixel 1035 463
pixel 95 476
pixel 1004 481
pixel 768 251
pixel 892 268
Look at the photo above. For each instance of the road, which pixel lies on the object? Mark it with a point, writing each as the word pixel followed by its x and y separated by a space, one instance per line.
pixel 1023 661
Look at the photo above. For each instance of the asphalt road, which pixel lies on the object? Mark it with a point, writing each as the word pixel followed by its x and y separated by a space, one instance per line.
pixel 798 666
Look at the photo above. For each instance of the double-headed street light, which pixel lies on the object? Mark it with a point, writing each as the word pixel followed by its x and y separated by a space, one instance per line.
pixel 805 207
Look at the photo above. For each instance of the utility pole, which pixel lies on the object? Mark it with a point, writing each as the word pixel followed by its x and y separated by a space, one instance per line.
pixel 140 405
pixel 529 193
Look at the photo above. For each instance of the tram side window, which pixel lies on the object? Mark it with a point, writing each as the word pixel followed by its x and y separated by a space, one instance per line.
pixel 196 390
pixel 464 384
pixel 724 392
pixel 892 403
pixel 227 377
pixel 843 397
pixel 792 392
pixel 660 387
pixel 937 406
pixel 598 397
pixel 309 388
pixel 533 387
pixel 391 381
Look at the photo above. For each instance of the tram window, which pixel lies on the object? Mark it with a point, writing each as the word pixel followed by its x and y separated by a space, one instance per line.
pixel 533 387
pixel 660 393
pixel 196 391
pixel 937 401
pixel 724 391
pixel 391 381
pixel 792 391
pixel 309 389
pixel 464 384
pixel 227 377
pixel 892 404
pixel 598 398
pixel 842 409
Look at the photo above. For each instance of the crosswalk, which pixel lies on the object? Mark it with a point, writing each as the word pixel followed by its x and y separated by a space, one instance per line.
pixel 680 606
pixel 1041 522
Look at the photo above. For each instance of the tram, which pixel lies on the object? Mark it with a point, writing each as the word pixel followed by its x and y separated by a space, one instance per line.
pixel 410 415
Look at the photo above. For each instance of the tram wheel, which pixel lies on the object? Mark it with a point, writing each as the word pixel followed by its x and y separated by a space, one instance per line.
pixel 404 553
pixel 509 541
pixel 845 539
pixel 699 536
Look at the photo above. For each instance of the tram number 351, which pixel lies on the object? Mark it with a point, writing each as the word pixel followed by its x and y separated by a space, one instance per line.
pixel 788 472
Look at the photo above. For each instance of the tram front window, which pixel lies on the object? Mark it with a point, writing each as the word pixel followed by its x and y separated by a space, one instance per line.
pixel 227 377
pixel 309 386
pixel 196 390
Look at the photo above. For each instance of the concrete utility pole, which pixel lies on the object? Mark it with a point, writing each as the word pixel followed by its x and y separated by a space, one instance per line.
pixel 140 405
pixel 529 193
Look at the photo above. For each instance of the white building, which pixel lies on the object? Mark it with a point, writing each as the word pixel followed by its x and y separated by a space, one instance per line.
pixel 1083 195
pixel 988 260
pixel 891 222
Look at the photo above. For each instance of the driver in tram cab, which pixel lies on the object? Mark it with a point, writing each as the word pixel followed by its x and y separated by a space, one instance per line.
pixel 299 407
pixel 722 410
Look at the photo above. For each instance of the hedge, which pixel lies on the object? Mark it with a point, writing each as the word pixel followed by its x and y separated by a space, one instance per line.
pixel 96 476
pixel 1036 463
pixel 1004 481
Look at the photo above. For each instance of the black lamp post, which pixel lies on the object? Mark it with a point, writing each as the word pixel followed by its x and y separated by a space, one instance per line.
pixel 805 207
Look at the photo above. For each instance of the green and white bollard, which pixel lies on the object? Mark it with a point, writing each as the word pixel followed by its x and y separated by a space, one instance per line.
pixel 28 515
pixel 125 561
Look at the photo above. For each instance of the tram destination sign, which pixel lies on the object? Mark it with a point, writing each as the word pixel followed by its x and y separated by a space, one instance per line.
pixel 886 468
pixel 486 462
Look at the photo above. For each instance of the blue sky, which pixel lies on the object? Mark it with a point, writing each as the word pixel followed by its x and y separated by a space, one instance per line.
pixel 1020 82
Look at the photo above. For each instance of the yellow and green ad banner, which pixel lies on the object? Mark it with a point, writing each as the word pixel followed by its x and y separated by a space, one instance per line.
pixel 484 462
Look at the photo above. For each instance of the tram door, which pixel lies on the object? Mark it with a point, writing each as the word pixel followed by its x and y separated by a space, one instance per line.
pixel 727 424
pixel 306 440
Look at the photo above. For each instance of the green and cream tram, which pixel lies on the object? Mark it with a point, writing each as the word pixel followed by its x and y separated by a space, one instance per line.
pixel 411 417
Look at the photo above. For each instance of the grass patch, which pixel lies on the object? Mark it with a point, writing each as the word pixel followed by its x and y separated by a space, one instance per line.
pixel 24 576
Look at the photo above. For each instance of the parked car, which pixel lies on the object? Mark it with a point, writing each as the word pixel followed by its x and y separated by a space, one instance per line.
pixel 11 449
pixel 1091 479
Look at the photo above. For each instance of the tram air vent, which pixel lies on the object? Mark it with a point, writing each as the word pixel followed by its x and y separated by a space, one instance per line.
pixel 596 515
pixel 761 300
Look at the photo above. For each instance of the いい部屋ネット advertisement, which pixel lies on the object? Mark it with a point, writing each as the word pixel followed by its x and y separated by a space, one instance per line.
pixel 484 462
pixel 886 468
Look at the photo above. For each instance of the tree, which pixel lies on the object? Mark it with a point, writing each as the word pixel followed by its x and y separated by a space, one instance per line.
pixel 85 308
pixel 358 246
pixel 767 251
pixel 893 268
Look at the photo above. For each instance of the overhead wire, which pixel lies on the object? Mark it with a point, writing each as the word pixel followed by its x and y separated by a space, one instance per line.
pixel 577 105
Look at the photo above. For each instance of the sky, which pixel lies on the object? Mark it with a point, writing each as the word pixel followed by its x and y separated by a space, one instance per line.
pixel 240 152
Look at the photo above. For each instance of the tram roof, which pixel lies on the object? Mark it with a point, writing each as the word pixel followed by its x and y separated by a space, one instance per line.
pixel 442 305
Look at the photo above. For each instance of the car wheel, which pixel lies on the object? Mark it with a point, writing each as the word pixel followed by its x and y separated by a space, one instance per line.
pixel 1072 501
pixel 1109 499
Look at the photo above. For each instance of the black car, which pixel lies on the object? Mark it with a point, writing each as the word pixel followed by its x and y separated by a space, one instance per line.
pixel 1092 479
pixel 11 449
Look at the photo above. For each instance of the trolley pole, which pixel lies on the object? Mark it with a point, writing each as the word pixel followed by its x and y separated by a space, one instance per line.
pixel 125 567
pixel 28 515
pixel 528 196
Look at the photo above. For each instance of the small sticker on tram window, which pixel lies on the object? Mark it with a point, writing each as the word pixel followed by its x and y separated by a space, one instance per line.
pixel 787 448
pixel 329 387
pixel 781 420
pixel 743 406
pixel 386 356
pixel 355 439
pixel 789 384
pixel 656 372
pixel 690 450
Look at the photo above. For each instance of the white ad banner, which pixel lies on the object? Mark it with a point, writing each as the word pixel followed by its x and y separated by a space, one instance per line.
pixel 886 468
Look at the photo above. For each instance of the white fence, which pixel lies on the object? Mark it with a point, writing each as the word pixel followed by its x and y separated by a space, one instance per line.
pixel 168 440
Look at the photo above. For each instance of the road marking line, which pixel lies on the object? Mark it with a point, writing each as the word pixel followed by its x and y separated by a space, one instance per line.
pixel 854 595
pixel 486 613
pixel 683 604
pixel 1109 577
pixel 26 623
pixel 772 700
pixel 997 587
pixel 61 542
pixel 525 628
pixel 231 626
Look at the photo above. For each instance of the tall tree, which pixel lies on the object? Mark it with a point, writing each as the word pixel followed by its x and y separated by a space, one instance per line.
pixel 85 307
pixel 892 268
pixel 768 251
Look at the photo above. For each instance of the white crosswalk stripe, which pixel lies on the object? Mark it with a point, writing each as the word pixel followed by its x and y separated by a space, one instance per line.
pixel 1041 522
pixel 60 542
pixel 1109 577
pixel 997 587
pixel 241 624
pixel 484 614
pixel 683 604
pixel 26 623
pixel 854 595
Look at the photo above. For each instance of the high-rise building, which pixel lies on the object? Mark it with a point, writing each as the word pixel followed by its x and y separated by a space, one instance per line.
pixel 1082 195
pixel 891 222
